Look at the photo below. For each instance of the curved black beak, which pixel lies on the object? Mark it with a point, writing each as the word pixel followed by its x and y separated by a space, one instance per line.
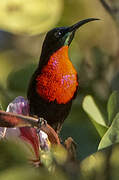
pixel 70 31
pixel 80 23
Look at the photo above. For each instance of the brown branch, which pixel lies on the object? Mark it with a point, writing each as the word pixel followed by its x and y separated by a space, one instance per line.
pixel 11 120
pixel 113 11
pixel 52 135
pixel 107 7
pixel 70 145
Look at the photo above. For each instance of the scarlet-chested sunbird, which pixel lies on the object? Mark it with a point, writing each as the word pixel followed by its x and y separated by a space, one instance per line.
pixel 54 84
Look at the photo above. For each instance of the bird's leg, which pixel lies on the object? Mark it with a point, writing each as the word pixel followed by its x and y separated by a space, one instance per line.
pixel 41 122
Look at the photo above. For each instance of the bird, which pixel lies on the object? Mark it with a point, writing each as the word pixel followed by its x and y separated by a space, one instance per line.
pixel 54 84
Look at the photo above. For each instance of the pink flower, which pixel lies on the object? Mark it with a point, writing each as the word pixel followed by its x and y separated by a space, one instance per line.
pixel 19 106
pixel 27 134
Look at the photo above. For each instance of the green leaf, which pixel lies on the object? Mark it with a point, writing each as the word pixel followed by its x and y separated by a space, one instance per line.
pixel 103 164
pixel 92 110
pixel 113 106
pixel 112 134
pixel 100 129
pixel 11 155
pixel 29 17
pixel 31 173
pixel 95 115
pixel 23 172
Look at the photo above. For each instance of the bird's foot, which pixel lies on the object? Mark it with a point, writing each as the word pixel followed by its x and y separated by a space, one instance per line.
pixel 41 122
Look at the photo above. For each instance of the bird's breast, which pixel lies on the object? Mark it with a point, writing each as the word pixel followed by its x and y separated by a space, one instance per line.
pixel 58 78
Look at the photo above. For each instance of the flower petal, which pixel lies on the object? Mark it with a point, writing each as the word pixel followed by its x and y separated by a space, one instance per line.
pixel 19 106
pixel 29 135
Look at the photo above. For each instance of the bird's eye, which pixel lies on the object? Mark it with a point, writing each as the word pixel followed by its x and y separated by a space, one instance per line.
pixel 58 34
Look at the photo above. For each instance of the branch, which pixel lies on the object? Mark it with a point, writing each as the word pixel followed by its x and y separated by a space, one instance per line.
pixel 11 120
pixel 107 7
pixel 70 145
pixel 112 10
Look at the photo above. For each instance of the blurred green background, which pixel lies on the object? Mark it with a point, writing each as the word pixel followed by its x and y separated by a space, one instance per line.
pixel 94 53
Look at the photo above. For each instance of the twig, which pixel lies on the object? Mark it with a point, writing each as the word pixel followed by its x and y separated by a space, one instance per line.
pixel 107 7
pixel 113 11
pixel 11 120
pixel 70 145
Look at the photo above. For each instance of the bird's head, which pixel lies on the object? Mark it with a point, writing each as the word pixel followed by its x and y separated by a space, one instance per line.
pixel 61 36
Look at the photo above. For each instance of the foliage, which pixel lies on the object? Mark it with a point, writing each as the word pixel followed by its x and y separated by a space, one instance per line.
pixel 94 113
pixel 102 165
pixel 111 135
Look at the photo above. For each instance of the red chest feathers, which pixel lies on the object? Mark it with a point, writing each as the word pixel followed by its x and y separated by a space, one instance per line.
pixel 58 79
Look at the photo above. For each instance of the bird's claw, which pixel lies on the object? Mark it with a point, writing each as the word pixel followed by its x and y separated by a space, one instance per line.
pixel 41 122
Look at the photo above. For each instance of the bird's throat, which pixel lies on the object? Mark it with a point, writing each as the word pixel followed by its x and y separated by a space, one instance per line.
pixel 58 78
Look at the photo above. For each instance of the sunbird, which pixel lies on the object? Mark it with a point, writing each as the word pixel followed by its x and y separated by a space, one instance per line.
pixel 54 84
